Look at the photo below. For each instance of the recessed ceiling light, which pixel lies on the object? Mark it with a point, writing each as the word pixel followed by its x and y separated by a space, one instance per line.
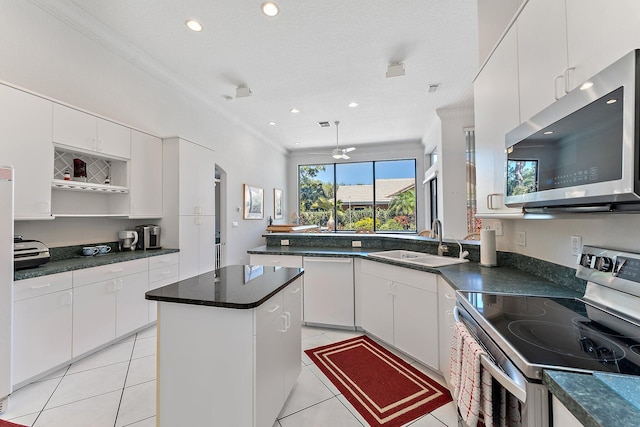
pixel 612 101
pixel 353 104
pixel 297 143
pixel 549 132
pixel 294 110
pixel 269 8
pixel 193 25
pixel 271 123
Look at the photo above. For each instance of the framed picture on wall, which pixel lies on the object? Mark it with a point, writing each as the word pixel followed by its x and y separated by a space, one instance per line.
pixel 253 202
pixel 277 203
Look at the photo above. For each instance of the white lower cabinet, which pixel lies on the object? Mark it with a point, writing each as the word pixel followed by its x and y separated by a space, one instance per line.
pixel 106 309
pixel 562 416
pixel 446 303
pixel 329 291
pixel 42 311
pixel 261 358
pixel 293 261
pixel 400 306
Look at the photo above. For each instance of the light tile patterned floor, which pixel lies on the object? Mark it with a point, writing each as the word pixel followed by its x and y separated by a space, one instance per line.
pixel 116 387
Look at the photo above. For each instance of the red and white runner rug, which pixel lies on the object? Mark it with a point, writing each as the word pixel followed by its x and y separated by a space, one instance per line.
pixel 383 388
pixel 4 423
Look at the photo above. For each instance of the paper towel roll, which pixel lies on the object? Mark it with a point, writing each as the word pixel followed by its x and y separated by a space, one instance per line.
pixel 488 248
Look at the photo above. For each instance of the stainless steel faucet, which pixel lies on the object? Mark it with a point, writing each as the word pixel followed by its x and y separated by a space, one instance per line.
pixel 436 230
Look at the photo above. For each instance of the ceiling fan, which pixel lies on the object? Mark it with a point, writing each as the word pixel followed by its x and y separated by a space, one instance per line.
pixel 339 153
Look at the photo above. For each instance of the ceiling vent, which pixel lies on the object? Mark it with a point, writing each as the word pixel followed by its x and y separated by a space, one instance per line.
pixel 324 124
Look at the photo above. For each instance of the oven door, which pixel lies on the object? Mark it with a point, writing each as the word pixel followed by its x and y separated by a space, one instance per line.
pixel 533 394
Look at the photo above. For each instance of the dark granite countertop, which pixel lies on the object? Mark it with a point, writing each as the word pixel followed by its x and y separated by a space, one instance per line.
pixel 234 286
pixel 594 402
pixel 78 262
pixel 468 276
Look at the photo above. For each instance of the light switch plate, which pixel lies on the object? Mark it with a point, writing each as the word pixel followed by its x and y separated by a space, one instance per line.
pixel 284 242
pixel 356 244
pixel 521 240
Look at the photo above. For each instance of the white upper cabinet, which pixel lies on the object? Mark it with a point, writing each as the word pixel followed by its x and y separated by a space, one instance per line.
pixel 89 133
pixel 599 32
pixel 26 132
pixel 542 55
pixel 497 111
pixel 145 183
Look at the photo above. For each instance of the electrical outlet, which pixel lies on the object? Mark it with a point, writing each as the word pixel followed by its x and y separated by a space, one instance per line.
pixel 284 242
pixel 356 244
pixel 576 245
pixel 522 238
pixel 498 227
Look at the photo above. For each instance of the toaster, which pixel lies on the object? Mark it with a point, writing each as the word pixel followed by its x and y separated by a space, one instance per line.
pixel 29 253
pixel 148 236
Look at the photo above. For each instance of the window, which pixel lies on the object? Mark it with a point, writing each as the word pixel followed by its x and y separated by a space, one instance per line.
pixel 473 224
pixel 372 196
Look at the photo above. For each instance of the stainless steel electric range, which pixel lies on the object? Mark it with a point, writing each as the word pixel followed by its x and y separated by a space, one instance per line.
pixel 525 334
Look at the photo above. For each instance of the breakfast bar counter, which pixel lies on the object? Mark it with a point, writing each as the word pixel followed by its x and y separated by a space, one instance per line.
pixel 229 346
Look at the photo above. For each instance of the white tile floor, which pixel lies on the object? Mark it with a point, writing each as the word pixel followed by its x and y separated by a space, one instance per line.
pixel 116 387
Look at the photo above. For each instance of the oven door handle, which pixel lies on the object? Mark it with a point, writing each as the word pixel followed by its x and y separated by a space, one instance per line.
pixel 497 373
pixel 502 378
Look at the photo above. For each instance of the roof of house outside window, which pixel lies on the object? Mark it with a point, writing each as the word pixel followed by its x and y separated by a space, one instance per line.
pixel 386 189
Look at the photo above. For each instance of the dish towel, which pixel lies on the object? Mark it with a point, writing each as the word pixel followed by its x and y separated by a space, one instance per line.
pixel 472 385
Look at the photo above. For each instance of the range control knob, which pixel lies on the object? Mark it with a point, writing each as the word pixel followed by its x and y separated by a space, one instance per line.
pixel 585 261
pixel 604 263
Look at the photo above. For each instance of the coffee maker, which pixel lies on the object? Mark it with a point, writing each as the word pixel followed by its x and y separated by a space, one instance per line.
pixel 127 240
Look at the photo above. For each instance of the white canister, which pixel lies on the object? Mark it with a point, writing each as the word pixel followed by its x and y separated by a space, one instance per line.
pixel 488 256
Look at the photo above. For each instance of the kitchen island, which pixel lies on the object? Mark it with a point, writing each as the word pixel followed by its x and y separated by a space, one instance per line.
pixel 229 346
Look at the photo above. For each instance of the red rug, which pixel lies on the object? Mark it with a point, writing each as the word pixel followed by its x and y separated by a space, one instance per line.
pixel 4 423
pixel 383 388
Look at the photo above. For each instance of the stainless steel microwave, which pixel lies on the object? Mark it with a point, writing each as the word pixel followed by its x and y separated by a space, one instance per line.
pixel 581 153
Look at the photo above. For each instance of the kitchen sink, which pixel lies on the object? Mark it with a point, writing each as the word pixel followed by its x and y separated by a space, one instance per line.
pixel 417 258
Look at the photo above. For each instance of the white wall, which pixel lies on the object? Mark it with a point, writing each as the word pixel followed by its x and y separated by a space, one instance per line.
pixel 447 136
pixel 363 153
pixel 41 54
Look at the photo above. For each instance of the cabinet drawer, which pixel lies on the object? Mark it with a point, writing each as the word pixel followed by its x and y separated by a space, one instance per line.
pixel 268 311
pixel 164 260
pixel 110 271
pixel 419 279
pixel 163 273
pixel 43 285
pixel 293 261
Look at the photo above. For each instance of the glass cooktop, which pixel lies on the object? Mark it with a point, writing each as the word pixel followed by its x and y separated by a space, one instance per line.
pixel 562 333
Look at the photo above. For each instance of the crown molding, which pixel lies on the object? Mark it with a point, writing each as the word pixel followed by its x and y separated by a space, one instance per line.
pixel 74 17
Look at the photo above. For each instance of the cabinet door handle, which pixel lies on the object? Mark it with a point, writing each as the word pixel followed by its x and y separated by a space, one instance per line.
pixel 166 273
pixel 117 271
pixel 197 210
pixel 555 86
pixel 449 296
pixel 274 309
pixel 490 200
pixel 391 289
pixel 44 285
pixel 296 290
pixel 287 319
pixel 68 298
pixel 284 323
pixel 565 76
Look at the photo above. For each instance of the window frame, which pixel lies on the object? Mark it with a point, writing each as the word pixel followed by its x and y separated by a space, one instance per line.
pixel 374 201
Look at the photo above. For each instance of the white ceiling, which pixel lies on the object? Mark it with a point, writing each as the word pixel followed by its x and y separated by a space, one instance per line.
pixel 315 56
